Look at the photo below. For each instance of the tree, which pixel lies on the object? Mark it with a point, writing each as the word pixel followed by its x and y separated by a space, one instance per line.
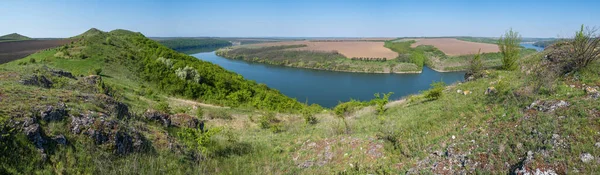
pixel 476 66
pixel 510 48
pixel 381 102
pixel 586 49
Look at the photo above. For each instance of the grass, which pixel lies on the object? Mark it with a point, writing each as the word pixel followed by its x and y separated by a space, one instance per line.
pixel 488 134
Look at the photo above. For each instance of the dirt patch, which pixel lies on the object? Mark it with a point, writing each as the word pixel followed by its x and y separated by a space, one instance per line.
pixel 454 47
pixel 367 49
pixel 14 50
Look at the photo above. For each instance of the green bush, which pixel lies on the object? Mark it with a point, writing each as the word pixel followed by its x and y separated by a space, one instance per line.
pixel 309 112
pixel 199 113
pixel 509 45
pixel 381 102
pixel 476 66
pixel 269 121
pixel 163 107
pixel 97 71
pixel 436 91
pixel 200 140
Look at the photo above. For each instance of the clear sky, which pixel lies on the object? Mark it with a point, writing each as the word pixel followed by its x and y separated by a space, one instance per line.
pixel 302 18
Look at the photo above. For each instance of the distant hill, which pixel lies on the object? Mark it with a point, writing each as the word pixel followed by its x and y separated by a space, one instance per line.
pixel 194 45
pixel 90 32
pixel 13 37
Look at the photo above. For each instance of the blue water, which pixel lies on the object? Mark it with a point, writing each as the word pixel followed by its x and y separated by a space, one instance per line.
pixel 531 46
pixel 327 88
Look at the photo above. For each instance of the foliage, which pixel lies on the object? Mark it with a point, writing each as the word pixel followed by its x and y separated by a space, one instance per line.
pixel 476 66
pixel 97 71
pixel 199 112
pixel 190 44
pixel 269 121
pixel 163 107
pixel 198 139
pixel 479 39
pixel 509 45
pixel 283 56
pixel 586 49
pixel 435 92
pixel 309 112
pixel 380 102
pixel 546 43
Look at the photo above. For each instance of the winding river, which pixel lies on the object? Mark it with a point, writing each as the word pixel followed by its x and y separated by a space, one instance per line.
pixel 328 88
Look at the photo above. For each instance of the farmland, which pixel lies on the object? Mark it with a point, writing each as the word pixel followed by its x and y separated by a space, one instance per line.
pixel 455 47
pixel 13 50
pixel 349 48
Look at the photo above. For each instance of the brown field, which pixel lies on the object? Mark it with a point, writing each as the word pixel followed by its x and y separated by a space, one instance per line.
pixel 454 47
pixel 14 50
pixel 349 49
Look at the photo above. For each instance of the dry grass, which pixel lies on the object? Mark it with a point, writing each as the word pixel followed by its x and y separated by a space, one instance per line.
pixel 454 47
pixel 347 48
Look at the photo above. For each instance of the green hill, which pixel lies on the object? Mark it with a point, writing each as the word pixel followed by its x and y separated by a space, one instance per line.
pixel 90 32
pixel 119 103
pixel 192 45
pixel 13 37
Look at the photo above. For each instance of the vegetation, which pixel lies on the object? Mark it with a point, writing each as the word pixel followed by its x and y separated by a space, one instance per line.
pixel 510 48
pixel 479 39
pixel 512 128
pixel 333 61
pixel 191 45
pixel 476 66
pixel 545 43
pixel 586 49
pixel 13 37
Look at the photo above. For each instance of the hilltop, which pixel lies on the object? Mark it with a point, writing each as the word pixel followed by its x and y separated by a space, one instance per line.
pixel 13 37
pixel 119 103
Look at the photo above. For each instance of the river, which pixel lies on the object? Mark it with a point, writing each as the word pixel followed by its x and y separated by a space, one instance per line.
pixel 328 88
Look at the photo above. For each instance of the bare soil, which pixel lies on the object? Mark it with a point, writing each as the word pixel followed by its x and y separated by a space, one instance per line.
pixel 454 47
pixel 14 50
pixel 349 49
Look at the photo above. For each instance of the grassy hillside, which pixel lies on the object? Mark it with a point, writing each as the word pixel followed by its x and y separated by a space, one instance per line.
pixel 192 45
pixel 13 37
pixel 117 102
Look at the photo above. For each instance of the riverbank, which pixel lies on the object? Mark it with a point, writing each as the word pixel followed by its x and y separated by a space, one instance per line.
pixel 328 88
pixel 317 60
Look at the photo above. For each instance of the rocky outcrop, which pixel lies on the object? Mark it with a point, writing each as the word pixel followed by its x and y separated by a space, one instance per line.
pixel 62 73
pixel 34 133
pixel 184 120
pixel 161 117
pixel 35 80
pixel 54 113
pixel 104 130
pixel 547 106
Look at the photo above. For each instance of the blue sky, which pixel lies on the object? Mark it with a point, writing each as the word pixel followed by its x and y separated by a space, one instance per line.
pixel 307 18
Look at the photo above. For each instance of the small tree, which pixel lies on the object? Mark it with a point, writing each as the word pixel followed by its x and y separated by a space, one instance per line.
pixel 476 66
pixel 436 91
pixel 586 49
pixel 381 102
pixel 510 48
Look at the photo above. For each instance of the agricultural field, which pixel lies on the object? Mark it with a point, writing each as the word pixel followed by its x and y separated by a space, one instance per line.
pixel 349 48
pixel 455 47
pixel 13 50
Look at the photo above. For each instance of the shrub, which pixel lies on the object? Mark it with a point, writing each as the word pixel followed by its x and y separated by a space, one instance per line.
pixel 199 112
pixel 476 66
pixel 586 49
pixel 163 107
pixel 269 121
pixel 32 60
pixel 436 91
pixel 381 102
pixel 510 48
pixel 198 139
pixel 308 114
pixel 97 71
